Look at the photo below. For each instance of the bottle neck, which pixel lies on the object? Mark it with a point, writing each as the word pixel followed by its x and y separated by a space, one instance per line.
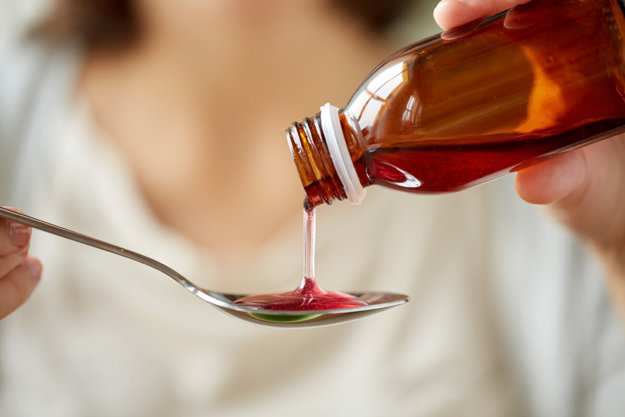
pixel 325 148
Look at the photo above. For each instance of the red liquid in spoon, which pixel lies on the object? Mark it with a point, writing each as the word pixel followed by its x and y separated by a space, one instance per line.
pixel 308 296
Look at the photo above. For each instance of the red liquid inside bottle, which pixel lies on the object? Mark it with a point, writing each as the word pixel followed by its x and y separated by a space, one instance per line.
pixel 308 296
pixel 473 103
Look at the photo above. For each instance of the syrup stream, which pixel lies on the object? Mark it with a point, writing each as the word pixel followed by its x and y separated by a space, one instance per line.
pixel 308 296
pixel 310 231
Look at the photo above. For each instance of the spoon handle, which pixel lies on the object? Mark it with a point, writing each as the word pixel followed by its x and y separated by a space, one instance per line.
pixel 96 243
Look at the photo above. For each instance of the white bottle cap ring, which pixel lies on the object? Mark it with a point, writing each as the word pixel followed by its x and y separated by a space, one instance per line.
pixel 335 141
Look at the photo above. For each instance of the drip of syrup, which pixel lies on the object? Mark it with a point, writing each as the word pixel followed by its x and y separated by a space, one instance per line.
pixel 308 296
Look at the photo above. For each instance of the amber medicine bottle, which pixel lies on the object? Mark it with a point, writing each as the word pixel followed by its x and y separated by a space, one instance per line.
pixel 473 103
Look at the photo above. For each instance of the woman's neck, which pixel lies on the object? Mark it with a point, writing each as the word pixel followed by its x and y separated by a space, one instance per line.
pixel 199 113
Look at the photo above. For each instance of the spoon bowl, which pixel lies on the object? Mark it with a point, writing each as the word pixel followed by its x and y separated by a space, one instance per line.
pixel 376 301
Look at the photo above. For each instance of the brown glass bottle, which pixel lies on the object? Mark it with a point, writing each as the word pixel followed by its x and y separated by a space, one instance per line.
pixel 473 103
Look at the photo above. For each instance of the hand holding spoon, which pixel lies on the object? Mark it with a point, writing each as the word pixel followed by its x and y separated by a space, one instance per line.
pixel 374 301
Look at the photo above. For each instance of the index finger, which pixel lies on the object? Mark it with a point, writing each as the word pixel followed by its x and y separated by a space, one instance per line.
pixel 451 13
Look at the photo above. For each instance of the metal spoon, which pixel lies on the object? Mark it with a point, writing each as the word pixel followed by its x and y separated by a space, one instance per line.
pixel 377 301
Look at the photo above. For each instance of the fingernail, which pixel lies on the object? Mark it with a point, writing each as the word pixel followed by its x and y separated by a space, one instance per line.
pixel 440 7
pixel 34 266
pixel 20 234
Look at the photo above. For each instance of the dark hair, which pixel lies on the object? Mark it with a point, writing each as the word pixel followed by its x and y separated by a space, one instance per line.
pixel 97 24
pixel 113 24
pixel 376 15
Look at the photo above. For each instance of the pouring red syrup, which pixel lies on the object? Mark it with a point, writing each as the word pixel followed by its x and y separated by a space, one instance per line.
pixel 308 296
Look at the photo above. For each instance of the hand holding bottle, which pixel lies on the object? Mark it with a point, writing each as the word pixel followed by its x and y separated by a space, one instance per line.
pixel 584 189
pixel 19 273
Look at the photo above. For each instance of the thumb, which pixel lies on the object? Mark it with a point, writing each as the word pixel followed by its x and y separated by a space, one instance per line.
pixel 451 13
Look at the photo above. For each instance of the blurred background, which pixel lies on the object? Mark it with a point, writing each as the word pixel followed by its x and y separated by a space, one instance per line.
pixel 173 145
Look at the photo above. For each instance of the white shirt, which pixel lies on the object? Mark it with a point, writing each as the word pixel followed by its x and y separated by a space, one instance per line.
pixel 508 316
